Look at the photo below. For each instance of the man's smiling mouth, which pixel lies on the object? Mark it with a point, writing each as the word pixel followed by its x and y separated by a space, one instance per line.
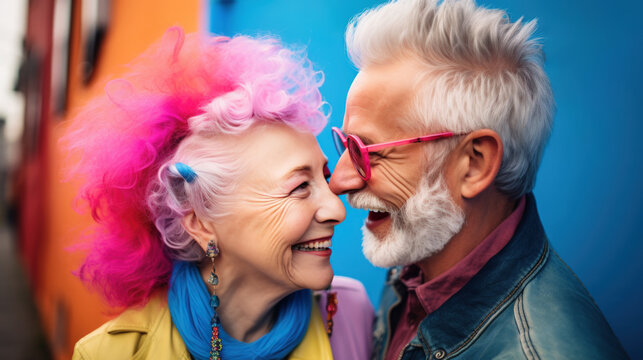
pixel 376 218
pixel 375 215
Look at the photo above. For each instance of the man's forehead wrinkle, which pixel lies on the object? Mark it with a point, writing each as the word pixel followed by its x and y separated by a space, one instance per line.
pixel 377 103
pixel 359 121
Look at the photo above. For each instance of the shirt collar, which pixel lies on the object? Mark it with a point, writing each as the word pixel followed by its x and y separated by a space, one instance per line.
pixel 491 289
pixel 435 292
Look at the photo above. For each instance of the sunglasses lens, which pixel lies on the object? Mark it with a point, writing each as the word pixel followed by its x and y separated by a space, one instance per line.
pixel 356 157
pixel 339 145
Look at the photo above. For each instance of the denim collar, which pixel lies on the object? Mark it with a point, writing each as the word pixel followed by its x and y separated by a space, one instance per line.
pixel 456 324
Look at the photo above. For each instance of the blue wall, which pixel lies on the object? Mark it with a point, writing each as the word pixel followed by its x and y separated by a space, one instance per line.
pixel 588 188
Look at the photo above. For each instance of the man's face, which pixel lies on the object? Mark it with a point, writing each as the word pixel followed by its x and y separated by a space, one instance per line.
pixel 406 196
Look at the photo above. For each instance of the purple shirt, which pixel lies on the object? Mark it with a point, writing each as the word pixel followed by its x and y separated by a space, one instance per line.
pixel 424 298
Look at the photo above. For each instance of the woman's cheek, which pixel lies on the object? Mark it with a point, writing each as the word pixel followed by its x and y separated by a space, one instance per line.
pixel 278 219
pixel 299 221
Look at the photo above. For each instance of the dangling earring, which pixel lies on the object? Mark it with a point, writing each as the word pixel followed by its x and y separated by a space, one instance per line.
pixel 331 309
pixel 215 341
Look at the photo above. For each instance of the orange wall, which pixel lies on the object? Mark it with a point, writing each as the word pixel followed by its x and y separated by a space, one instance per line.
pixel 68 309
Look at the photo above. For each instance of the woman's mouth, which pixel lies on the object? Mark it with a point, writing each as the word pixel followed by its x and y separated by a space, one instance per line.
pixel 320 247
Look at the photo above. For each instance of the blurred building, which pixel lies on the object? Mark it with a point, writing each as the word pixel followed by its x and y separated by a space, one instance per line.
pixel 70 48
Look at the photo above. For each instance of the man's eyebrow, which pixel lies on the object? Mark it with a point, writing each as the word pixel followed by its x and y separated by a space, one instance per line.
pixel 365 139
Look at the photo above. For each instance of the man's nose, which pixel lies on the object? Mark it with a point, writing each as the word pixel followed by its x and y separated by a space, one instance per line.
pixel 345 178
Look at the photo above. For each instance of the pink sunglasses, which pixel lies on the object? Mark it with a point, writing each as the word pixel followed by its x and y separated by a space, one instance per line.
pixel 358 152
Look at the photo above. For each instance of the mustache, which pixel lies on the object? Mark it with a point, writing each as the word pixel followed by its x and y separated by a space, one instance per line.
pixel 369 201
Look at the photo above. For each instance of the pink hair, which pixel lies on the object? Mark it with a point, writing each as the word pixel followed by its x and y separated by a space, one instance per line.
pixel 182 88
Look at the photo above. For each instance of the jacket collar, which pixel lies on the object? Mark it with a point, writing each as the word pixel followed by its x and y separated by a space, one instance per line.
pixel 162 340
pixel 140 319
pixel 453 326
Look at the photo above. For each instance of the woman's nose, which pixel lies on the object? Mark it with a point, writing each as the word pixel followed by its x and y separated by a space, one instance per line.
pixel 345 178
pixel 331 208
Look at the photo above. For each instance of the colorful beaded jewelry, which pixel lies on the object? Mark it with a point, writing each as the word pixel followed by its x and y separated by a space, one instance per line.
pixel 212 252
pixel 215 341
pixel 331 309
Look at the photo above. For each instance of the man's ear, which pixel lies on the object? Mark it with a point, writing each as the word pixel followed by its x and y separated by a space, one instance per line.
pixel 202 232
pixel 483 148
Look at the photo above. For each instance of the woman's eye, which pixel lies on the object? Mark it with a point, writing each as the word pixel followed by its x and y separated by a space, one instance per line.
pixel 301 187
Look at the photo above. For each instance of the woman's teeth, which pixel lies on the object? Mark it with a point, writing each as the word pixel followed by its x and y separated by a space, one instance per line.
pixel 313 246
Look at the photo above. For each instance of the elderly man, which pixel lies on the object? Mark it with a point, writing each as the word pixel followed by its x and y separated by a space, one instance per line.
pixel 444 129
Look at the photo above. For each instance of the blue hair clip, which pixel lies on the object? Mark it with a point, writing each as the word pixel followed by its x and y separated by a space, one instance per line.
pixel 185 171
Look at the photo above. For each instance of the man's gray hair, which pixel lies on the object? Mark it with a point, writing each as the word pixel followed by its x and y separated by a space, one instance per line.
pixel 483 71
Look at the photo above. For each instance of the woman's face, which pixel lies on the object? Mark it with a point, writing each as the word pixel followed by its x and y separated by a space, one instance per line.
pixel 282 215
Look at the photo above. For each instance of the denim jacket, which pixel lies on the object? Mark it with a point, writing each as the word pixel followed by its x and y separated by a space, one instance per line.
pixel 525 303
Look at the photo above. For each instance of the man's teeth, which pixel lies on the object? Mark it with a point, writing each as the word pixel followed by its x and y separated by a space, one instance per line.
pixel 313 246
pixel 376 210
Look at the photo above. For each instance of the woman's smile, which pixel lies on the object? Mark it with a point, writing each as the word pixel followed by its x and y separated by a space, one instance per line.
pixel 283 213
pixel 319 247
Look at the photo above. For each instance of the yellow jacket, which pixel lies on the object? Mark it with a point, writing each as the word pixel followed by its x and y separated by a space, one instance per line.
pixel 148 333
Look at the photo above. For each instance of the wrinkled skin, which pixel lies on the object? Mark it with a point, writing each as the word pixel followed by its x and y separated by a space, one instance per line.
pixel 463 206
pixel 282 198
pixel 378 99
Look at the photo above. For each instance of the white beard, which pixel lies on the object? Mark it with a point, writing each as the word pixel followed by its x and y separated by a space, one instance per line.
pixel 421 228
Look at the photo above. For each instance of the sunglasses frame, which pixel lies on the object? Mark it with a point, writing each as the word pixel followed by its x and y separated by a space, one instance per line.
pixel 366 149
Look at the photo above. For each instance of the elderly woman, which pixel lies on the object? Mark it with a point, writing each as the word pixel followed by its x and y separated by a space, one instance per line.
pixel 213 212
